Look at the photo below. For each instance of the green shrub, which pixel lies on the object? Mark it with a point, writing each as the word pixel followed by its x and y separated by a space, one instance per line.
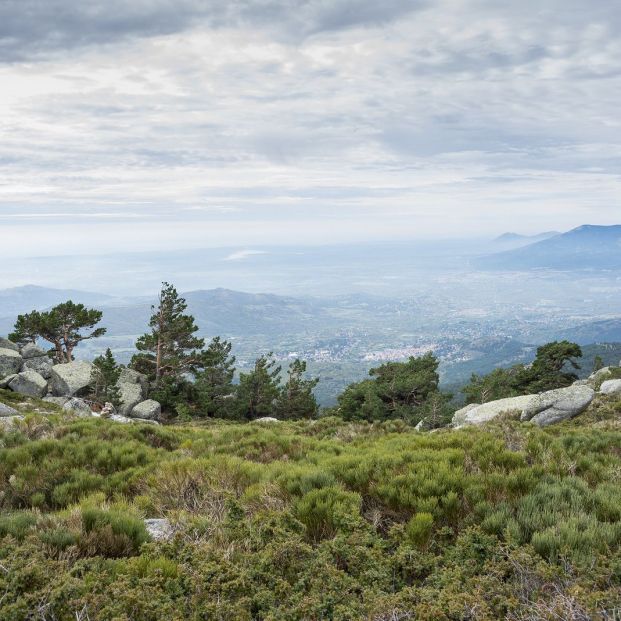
pixel 419 528
pixel 111 533
pixel 326 511
pixel 17 524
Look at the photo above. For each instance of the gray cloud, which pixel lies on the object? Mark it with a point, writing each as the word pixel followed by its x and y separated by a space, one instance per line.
pixel 239 121
pixel 29 28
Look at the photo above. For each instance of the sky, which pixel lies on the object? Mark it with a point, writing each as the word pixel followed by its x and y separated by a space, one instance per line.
pixel 172 124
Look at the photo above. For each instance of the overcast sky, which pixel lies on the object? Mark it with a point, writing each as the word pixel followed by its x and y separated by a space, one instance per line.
pixel 187 123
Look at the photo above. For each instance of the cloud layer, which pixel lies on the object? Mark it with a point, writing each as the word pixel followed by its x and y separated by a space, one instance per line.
pixel 208 123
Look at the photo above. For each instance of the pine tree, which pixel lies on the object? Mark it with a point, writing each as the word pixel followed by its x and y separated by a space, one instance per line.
pixel 61 326
pixel 105 375
pixel 296 398
pixel 171 350
pixel 258 391
pixel 214 384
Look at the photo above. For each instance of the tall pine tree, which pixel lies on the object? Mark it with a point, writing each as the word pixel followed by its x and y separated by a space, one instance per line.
pixel 105 375
pixel 214 384
pixel 170 352
pixel 258 391
pixel 296 398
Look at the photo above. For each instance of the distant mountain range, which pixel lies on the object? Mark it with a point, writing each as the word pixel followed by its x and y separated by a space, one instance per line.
pixel 18 300
pixel 515 239
pixel 587 247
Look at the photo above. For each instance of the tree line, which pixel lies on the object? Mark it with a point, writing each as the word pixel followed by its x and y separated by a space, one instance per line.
pixel 192 379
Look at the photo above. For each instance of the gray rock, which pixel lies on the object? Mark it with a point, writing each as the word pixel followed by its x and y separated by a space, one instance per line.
pixel 474 414
pixel 611 387
pixel 459 418
pixel 131 395
pixel 10 422
pixel 129 376
pixel 117 418
pixel 599 374
pixel 78 407
pixel 555 406
pixel 32 351
pixel 72 378
pixel 59 401
pixel 159 529
pixel 7 380
pixel 6 344
pixel 42 365
pixel 30 384
pixel 266 419
pixel 149 409
pixel 5 410
pixel 582 382
pixel 10 362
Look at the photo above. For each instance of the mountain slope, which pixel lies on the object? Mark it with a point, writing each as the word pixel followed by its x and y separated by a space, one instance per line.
pixel 30 297
pixel 583 248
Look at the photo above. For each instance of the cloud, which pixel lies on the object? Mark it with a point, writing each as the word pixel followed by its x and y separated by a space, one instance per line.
pixel 29 28
pixel 240 255
pixel 231 123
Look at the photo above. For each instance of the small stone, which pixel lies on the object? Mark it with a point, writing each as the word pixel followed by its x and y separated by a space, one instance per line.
pixel 159 529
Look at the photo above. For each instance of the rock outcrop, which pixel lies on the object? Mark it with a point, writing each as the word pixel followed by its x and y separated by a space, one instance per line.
pixel 555 406
pixel 129 376
pixel 131 395
pixel 611 387
pixel 546 408
pixel 71 379
pixel 29 383
pixel 6 411
pixel 78 407
pixel 477 414
pixel 149 410
pixel 10 362
pixel 6 344
pixel 31 372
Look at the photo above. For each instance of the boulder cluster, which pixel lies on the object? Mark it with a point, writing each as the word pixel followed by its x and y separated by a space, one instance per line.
pixel 546 408
pixel 29 371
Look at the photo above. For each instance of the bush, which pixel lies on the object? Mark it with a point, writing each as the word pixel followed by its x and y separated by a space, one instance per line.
pixel 111 533
pixel 326 511
pixel 418 529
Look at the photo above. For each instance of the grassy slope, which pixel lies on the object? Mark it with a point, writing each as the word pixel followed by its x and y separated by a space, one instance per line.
pixel 323 520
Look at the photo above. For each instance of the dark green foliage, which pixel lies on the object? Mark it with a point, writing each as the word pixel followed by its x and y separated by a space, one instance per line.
pixel 61 326
pixel 399 390
pixel 598 363
pixel 170 350
pixel 499 384
pixel 296 398
pixel 214 383
pixel 553 367
pixel 106 374
pixel 258 391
